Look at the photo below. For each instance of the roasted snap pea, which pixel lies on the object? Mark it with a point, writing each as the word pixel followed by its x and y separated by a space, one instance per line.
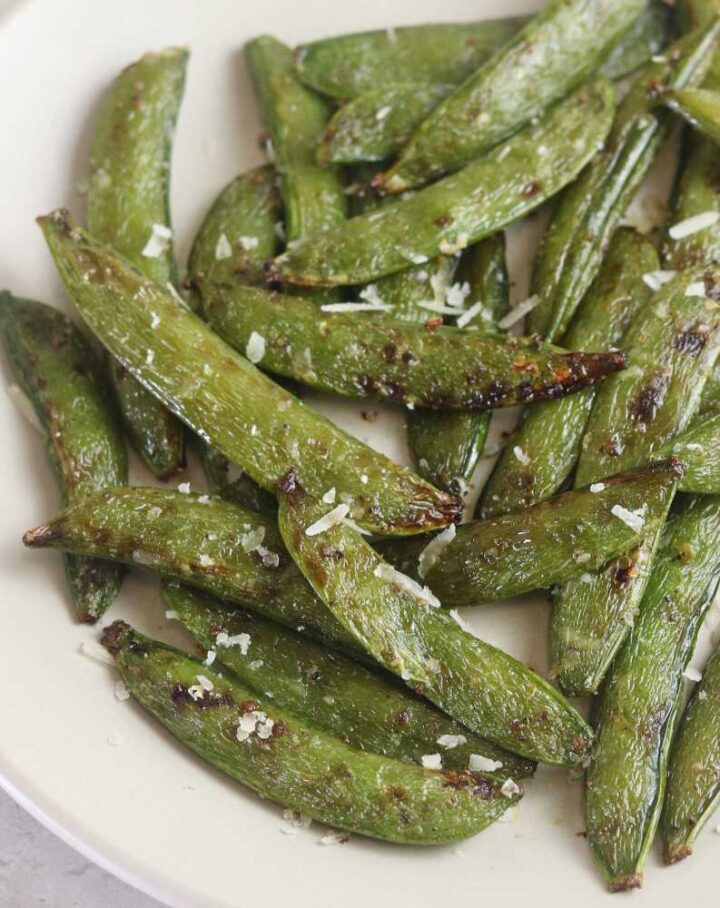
pixel 446 446
pixel 639 701
pixel 456 212
pixel 693 788
pixel 228 481
pixel 645 38
pixel 543 452
pixel 672 346
pixel 698 447
pixel 352 355
pixel 366 709
pixel 56 369
pixel 225 399
pixel 700 107
pixel 577 238
pixel 401 627
pixel 532 549
pixel 128 207
pixel 555 52
pixel 281 758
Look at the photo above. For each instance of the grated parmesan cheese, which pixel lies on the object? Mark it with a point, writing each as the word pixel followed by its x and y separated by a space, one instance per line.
pixel 509 788
pixel 434 549
pixel 694 224
pixel 655 279
pixel 328 521
pixel 478 763
pixel 521 456
pixel 223 249
pixel 431 761
pixel 97 653
pixel 158 242
pixel 121 691
pixel 329 496
pixel 696 289
pixel 383 112
pixel 335 838
pixel 469 315
pixel 255 349
pixel 387 572
pixel 248 243
pixel 250 541
pixel 597 487
pixel 634 519
pixel 184 488
pixel 450 741
pixel 692 674
pixel 356 307
pixel 519 312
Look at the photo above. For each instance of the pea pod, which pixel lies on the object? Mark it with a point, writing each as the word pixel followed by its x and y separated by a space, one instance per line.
pixel 56 369
pixel 462 209
pixel 352 355
pixel 693 788
pixel 480 686
pixel 672 347
pixel 225 399
pixel 362 707
pixel 699 449
pixel 543 452
pixel 555 52
pixel 128 206
pixel 641 696
pixel 514 553
pixel 281 758
pixel 589 211
pixel 228 481
pixel 699 107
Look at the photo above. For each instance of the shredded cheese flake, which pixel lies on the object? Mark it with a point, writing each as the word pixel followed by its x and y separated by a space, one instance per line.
pixel 158 242
pixel 329 496
pixel 387 572
pixel 450 741
pixel 521 456
pixel 519 312
pixel 510 788
pixel 469 315
pixel 478 763
pixel 696 289
pixel 121 691
pixel 597 487
pixel 634 519
pixel 694 224
pixel 431 761
pixel 434 549
pixel 223 249
pixel 692 674
pixel 356 307
pixel 329 520
pixel 255 349
pixel 655 279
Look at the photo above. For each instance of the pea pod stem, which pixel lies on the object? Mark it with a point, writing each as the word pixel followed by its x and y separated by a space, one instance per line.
pixel 225 399
pixel 462 209
pixel 277 755
pixel 128 207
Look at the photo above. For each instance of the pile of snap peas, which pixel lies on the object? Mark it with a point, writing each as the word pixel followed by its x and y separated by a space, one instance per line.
pixel 318 578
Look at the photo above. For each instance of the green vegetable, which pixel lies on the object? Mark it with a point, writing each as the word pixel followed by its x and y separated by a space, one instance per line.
pixel 644 39
pixel 128 206
pixel 641 697
pixel 672 346
pixel 700 107
pixel 398 624
pixel 278 756
pixel 355 356
pixel 554 53
pixel 362 707
pixel 456 212
pixel 548 440
pixel 55 367
pixel 225 399
pixel 698 447
pixel 446 446
pixel 589 211
pixel 228 481
pixel 550 542
pixel 693 790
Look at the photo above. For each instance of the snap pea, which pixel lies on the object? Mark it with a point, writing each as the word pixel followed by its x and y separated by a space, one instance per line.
pixel 577 239
pixel 480 686
pixel 710 401
pixel 228 481
pixel 352 355
pixel 700 107
pixel 446 446
pixel 56 369
pixel 693 788
pixel 128 206
pixel 699 449
pixel 555 52
pixel 547 543
pixel 293 764
pixel 543 452
pixel 456 212
pixel 641 696
pixel 645 38
pixel 672 345
pixel 364 708
pixel 225 399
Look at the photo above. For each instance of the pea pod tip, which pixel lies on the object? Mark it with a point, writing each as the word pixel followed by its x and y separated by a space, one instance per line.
pixel 675 852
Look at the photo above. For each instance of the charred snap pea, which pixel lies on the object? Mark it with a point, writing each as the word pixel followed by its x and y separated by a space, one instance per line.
pixel 366 709
pixel 700 107
pixel 128 207
pixel 589 211
pixel 698 447
pixel 543 452
pixel 281 758
pixel 672 347
pixel 456 212
pixel 56 369
pixel 225 399
pixel 554 53
pixel 636 713
pixel 355 356
pixel 228 481
pixel 693 791
pixel 548 543
pixel 398 624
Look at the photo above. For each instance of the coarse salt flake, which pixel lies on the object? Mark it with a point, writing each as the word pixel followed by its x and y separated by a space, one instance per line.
pixel 205 560
pixel 171 615
pixel 431 761
pixel 702 695
pixel 329 520
pixel 255 349
pixel 456 294
pixel 478 763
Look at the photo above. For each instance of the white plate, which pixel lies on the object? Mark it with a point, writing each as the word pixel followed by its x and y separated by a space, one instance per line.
pixel 147 809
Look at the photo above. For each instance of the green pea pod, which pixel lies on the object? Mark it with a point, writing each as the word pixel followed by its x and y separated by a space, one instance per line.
pixel 228 481
pixel 225 399
pixel 462 209
pixel 645 38
pixel 672 345
pixel 693 787
pixel 640 699
pixel 566 537
pixel 589 211
pixel 56 369
pixel 281 758
pixel 352 355
pixel 537 462
pixel 700 107
pixel 397 624
pixel 699 449
pixel 555 52
pixel 128 206
pixel 362 707
pixel 710 401
pixel 446 446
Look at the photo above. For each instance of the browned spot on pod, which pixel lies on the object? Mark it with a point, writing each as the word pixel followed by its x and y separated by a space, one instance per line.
pixel 649 399
pixel 692 339
pixel 623 571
